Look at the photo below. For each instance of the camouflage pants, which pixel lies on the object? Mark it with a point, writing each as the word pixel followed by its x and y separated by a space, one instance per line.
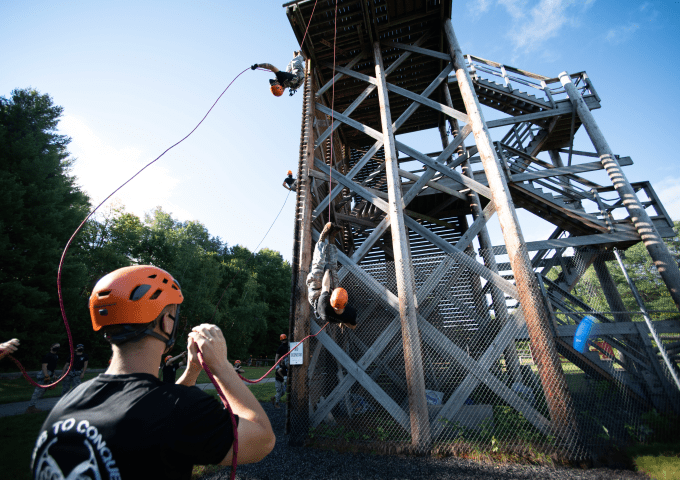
pixel 325 259
pixel 39 392
pixel 71 381
pixel 280 389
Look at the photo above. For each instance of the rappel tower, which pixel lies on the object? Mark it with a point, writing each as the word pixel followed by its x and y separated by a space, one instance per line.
pixel 452 327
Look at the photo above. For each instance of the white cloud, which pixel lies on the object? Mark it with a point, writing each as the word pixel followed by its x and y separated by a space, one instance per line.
pixel 620 34
pixel 101 168
pixel 478 7
pixel 668 191
pixel 544 21
pixel 515 8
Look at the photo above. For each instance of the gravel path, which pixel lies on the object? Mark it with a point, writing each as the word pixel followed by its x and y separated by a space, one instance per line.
pixel 310 463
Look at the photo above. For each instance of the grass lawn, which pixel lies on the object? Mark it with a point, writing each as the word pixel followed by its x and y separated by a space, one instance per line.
pixel 262 391
pixel 661 461
pixel 19 390
pixel 17 438
pixel 251 373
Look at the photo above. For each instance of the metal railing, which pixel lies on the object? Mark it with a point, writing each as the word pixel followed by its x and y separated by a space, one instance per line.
pixel 551 88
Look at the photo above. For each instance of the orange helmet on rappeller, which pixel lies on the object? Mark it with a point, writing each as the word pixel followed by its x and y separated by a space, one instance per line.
pixel 277 90
pixel 339 298
pixel 133 296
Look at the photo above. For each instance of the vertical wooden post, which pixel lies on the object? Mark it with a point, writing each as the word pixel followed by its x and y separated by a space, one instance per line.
pixel 415 379
pixel 299 395
pixel 664 261
pixel 500 306
pixel 554 384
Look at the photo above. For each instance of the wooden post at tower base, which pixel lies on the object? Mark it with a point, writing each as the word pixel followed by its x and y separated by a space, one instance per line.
pixel 536 317
pixel 413 361
pixel 298 404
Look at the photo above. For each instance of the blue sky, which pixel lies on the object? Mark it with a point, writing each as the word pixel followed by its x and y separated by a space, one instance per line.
pixel 135 77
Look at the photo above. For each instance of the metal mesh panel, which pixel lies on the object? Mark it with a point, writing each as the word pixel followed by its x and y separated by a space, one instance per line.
pixel 485 385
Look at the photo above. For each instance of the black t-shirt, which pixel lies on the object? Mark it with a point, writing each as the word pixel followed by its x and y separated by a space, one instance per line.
pixel 169 372
pixel 132 427
pixel 327 314
pixel 51 360
pixel 282 350
pixel 289 180
pixel 79 362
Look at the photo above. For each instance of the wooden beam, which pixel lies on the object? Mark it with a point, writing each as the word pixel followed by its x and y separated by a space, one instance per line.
pixel 415 379
pixel 580 241
pixel 463 258
pixel 414 49
pixel 362 377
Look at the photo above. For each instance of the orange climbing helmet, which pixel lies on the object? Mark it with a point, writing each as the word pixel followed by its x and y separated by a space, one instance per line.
pixel 290 172
pixel 339 298
pixel 169 357
pixel 134 295
pixel 282 337
pixel 277 90
pixel 238 362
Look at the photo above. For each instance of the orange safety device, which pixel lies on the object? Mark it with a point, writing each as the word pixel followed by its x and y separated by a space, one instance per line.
pixel 277 90
pixel 134 295
pixel 237 362
pixel 282 337
pixel 290 172
pixel 339 298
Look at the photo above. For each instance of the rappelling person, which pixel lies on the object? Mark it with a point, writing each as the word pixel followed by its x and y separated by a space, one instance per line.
pixel 323 279
pixel 289 182
pixel 292 78
pixel 126 423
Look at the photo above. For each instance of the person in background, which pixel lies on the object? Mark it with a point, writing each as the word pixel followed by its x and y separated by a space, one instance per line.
pixel 171 366
pixel 289 182
pixel 49 365
pixel 281 370
pixel 238 367
pixel 77 373
pixel 292 78
pixel 323 279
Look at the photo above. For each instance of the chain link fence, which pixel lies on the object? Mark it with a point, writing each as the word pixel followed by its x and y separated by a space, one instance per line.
pixel 493 386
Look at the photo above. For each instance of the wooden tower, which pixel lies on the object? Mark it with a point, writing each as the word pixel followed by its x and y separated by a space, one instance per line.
pixel 398 68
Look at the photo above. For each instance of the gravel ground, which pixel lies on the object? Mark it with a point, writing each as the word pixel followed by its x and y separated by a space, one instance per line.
pixel 286 462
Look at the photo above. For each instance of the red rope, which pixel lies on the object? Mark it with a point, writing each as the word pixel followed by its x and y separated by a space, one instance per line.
pixel 302 43
pixel 269 371
pixel 68 244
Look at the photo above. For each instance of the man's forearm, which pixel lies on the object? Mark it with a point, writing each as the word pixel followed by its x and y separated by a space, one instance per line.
pixel 189 376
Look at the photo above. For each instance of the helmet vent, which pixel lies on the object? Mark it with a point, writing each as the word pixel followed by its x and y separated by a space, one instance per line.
pixel 165 280
pixel 103 312
pixel 175 286
pixel 152 276
pixel 139 292
pixel 156 294
pixel 104 293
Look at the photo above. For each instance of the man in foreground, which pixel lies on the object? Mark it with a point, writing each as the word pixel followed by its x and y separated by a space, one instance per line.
pixel 128 424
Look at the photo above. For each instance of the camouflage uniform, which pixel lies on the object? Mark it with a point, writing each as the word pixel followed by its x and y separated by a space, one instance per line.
pixel 325 258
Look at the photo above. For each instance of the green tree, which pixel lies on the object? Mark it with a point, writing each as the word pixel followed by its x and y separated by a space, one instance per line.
pixel 40 207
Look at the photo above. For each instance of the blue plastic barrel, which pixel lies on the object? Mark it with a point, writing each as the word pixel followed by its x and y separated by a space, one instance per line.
pixel 582 333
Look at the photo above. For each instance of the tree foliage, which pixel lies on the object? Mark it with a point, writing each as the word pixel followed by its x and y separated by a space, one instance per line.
pixel 40 207
pixel 245 294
